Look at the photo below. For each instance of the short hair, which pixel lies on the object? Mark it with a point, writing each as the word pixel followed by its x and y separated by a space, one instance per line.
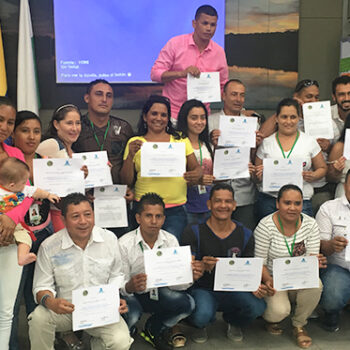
pixel 150 198
pixel 221 186
pixel 237 81
pixel 12 170
pixel 95 82
pixel 207 10
pixel 286 188
pixel 286 102
pixel 5 101
pixel 305 83
pixel 342 79
pixel 23 116
pixel 74 198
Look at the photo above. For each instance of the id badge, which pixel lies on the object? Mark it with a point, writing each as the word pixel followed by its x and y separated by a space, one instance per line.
pixel 34 216
pixel 202 189
pixel 153 294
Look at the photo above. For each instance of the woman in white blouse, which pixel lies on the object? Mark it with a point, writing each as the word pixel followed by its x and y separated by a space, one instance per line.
pixel 288 233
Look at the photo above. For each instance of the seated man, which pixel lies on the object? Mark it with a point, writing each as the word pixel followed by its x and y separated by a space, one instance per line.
pixel 81 255
pixel 333 220
pixel 221 237
pixel 167 306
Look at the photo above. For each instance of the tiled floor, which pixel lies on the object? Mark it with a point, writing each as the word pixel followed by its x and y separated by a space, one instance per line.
pixel 255 337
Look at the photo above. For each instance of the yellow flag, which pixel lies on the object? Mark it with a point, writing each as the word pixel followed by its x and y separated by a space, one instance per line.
pixel 3 80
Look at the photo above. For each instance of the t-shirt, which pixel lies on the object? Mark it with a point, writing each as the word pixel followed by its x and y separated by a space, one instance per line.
pixel 305 149
pixel 240 243
pixel 173 190
pixel 9 200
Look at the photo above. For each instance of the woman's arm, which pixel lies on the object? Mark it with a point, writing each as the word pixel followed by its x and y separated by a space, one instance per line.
pixel 127 172
pixel 320 166
pixel 194 171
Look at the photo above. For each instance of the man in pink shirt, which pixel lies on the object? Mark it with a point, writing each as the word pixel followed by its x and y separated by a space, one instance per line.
pixel 190 53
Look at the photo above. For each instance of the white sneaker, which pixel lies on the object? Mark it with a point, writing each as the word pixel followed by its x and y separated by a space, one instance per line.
pixel 200 335
pixel 234 333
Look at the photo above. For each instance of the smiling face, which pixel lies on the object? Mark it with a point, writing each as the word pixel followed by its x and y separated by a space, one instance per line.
pixel 290 205
pixel 7 121
pixel 196 120
pixel 157 118
pixel 309 94
pixel 221 204
pixel 27 136
pixel 342 97
pixel 68 129
pixel 287 120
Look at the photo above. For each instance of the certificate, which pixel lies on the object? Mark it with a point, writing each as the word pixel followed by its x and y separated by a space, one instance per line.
pixel 95 306
pixel 346 152
pixel 99 171
pixel 280 172
pixel 110 206
pixel 231 163
pixel 206 88
pixel 295 273
pixel 163 159
pixel 237 131
pixel 318 119
pixel 168 266
pixel 59 175
pixel 238 274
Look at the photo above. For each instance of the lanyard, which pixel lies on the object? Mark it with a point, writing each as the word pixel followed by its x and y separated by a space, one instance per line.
pixel 141 246
pixel 290 250
pixel 200 153
pixel 279 144
pixel 104 137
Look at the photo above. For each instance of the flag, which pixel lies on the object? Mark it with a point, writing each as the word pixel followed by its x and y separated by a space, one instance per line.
pixel 3 80
pixel 27 82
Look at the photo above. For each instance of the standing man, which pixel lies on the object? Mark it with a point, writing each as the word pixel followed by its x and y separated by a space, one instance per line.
pixel 190 53
pixel 81 255
pixel 100 130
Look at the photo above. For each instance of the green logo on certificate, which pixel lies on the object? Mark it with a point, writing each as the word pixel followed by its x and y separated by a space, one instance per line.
pixel 226 152
pixel 102 189
pixel 231 262
pixel 155 146
pixel 84 157
pixel 159 253
pixel 232 120
pixel 287 262
pixel 85 293
pixel 49 163
pixel 275 162
pixel 309 107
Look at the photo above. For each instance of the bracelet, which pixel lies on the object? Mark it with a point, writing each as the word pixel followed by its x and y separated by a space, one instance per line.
pixel 43 299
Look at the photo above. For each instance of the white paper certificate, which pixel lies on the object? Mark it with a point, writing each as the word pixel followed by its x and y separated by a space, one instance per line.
pixel 231 163
pixel 237 131
pixel 59 175
pixel 346 152
pixel 238 274
pixel 99 171
pixel 280 172
pixel 163 159
pixel 95 306
pixel 206 88
pixel 110 206
pixel 295 273
pixel 168 266
pixel 318 119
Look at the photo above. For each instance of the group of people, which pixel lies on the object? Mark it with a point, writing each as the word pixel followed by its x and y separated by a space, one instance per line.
pixel 216 219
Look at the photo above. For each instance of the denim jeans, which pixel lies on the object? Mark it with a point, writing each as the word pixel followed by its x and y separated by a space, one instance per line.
pixel 239 308
pixel 336 288
pixel 171 308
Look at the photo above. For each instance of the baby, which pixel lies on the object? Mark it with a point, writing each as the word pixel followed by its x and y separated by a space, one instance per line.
pixel 14 175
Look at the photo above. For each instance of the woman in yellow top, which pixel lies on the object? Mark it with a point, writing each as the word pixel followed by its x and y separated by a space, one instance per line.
pixel 155 126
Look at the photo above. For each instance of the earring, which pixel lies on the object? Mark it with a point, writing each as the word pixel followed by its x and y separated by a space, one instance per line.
pixel 145 125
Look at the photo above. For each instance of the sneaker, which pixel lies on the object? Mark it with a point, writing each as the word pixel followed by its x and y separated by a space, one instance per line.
pixel 157 342
pixel 200 335
pixel 331 322
pixel 234 333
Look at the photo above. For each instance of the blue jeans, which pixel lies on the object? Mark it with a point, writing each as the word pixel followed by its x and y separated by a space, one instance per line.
pixel 266 205
pixel 239 308
pixel 336 288
pixel 171 308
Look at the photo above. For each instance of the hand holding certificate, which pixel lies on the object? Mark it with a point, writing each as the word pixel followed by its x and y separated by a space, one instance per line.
pixel 168 267
pixel 280 172
pixel 60 176
pixel 237 131
pixel 206 88
pixel 163 159
pixel 95 306
pixel 238 274
pixel 295 273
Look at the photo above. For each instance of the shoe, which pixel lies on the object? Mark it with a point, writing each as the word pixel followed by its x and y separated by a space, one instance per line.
pixel 159 342
pixel 234 333
pixel 302 338
pixel 274 328
pixel 71 341
pixel 331 322
pixel 200 335
pixel 176 338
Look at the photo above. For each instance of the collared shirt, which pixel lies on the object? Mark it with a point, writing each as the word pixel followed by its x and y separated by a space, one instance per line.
pixel 62 266
pixel 132 246
pixel 338 121
pixel 333 219
pixel 179 53
pixel 118 134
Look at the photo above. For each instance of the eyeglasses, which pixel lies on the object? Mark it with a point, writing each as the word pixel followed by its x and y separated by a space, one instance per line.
pixel 305 83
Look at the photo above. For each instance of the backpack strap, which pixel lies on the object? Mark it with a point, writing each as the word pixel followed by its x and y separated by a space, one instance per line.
pixel 195 229
pixel 247 233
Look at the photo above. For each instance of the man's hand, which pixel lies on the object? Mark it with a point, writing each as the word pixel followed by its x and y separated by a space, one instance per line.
pixel 261 292
pixel 85 170
pixel 193 176
pixel 137 283
pixel 7 228
pixel 129 195
pixel 270 290
pixel 209 262
pixel 59 305
pixel 214 137
pixel 259 138
pixel 123 307
pixel 259 172
pixel 338 243
pixel 339 164
pixel 53 198
pixel 197 269
pixel 324 144
pixel 193 70
pixel 207 180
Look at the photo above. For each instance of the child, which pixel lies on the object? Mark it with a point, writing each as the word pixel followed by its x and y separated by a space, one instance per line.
pixel 14 175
